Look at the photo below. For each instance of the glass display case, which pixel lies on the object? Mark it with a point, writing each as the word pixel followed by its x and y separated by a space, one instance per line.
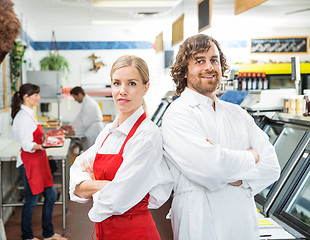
pixel 292 206
pixel 299 207
pixel 162 107
pixel 273 130
pixel 288 145
pixel 287 142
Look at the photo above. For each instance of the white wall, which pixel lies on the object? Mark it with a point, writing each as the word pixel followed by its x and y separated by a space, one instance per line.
pixel 222 28
pixel 6 133
pixel 80 74
pixel 236 28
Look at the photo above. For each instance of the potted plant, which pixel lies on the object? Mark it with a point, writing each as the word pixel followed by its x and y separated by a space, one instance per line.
pixel 54 62
pixel 16 61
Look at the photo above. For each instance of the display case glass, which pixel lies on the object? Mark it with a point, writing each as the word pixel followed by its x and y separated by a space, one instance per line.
pixel 273 131
pixel 287 142
pixel 162 107
pixel 288 145
pixel 285 145
pixel 299 207
pixel 293 203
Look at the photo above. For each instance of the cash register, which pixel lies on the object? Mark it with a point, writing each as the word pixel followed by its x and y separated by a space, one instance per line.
pixel 266 100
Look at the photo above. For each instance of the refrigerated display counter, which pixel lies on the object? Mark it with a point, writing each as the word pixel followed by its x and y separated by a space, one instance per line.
pixel 287 201
pixel 288 144
pixel 162 107
pixel 292 206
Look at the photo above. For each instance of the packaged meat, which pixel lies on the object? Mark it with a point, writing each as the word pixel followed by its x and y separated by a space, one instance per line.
pixel 69 131
pixel 54 138
pixel 56 133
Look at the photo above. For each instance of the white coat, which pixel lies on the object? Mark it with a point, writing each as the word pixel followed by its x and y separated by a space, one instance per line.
pixel 206 150
pixel 24 125
pixel 89 120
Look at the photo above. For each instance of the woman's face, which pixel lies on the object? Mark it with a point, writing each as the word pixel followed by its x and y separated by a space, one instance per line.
pixel 32 100
pixel 128 90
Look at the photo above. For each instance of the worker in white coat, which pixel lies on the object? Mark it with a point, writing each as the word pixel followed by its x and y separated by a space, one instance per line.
pixel 89 120
pixel 218 157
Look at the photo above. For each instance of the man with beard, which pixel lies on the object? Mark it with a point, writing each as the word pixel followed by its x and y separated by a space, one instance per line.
pixel 218 157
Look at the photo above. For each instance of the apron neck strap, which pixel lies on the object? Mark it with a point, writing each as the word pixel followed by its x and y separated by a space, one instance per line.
pixel 132 131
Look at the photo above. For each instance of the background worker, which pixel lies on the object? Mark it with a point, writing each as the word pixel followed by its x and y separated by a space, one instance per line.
pixel 89 120
pixel 33 163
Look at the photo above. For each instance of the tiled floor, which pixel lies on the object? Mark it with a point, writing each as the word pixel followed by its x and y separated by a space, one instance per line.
pixel 78 226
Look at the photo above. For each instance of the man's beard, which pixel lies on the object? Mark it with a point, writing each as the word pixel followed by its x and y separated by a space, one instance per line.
pixel 207 86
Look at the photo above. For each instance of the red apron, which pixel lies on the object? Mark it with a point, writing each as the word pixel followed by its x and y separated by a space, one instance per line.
pixel 137 222
pixel 37 166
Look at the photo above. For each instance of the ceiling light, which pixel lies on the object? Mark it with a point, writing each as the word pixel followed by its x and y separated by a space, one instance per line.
pixel 133 4
pixel 112 22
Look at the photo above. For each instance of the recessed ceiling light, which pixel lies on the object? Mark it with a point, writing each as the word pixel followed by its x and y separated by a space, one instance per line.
pixel 133 4
pixel 112 22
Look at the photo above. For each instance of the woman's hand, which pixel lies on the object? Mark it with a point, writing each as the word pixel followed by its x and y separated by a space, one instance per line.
pixel 87 166
pixel 37 147
pixel 87 188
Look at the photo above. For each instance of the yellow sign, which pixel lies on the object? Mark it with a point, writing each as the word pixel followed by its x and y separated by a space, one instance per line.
pixel 264 222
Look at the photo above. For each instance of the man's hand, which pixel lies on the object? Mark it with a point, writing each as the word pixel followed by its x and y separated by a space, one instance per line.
pixel 254 154
pixel 236 184
pixel 239 182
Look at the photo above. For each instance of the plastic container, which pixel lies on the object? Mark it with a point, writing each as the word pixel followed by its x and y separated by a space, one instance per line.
pixel 286 105
pixel 292 105
pixel 306 107
pixel 300 105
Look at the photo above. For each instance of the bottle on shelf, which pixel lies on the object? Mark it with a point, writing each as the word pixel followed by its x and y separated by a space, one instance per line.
pixel 240 81
pixel 259 81
pixel 236 81
pixel 249 81
pixel 265 81
pixel 244 81
pixel 254 81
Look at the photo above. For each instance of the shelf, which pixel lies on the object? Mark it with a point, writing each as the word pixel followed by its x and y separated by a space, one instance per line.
pixel 286 117
pixel 273 68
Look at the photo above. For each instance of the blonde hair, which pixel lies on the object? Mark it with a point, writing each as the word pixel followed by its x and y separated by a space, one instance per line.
pixel 139 64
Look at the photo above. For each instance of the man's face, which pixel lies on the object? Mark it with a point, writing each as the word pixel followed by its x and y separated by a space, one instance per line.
pixel 78 98
pixel 204 72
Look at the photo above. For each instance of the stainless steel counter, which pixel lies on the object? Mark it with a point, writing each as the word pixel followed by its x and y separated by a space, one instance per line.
pixel 60 153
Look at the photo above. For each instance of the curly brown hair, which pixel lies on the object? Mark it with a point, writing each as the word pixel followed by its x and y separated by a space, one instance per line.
pixel 9 27
pixel 188 50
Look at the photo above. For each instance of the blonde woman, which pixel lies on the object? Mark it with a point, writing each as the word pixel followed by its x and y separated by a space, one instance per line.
pixel 124 172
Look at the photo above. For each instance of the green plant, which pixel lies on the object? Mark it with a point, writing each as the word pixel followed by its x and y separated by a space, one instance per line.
pixel 54 62
pixel 16 60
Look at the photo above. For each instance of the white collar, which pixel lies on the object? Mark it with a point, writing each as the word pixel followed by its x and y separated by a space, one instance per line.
pixel 127 125
pixel 194 98
pixel 27 109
